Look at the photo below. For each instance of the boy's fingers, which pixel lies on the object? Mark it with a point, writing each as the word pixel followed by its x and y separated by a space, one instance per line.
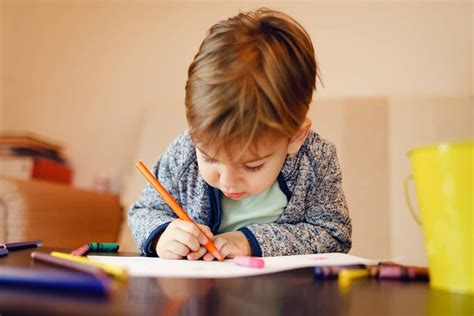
pixel 169 255
pixel 227 250
pixel 208 257
pixel 206 231
pixel 197 254
pixel 188 226
pixel 188 240
pixel 193 229
pixel 221 244
pixel 178 248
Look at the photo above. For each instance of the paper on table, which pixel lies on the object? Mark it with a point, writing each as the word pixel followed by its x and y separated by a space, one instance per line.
pixel 156 267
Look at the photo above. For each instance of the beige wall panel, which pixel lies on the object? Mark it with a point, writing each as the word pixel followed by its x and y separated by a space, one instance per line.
pixel 366 175
pixel 327 116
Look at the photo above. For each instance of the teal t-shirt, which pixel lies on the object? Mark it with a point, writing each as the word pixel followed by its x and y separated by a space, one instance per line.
pixel 261 209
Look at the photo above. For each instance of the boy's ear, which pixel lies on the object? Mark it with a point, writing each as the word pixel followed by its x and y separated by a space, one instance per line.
pixel 298 139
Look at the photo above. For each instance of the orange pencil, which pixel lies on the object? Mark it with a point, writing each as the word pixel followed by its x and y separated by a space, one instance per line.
pixel 177 209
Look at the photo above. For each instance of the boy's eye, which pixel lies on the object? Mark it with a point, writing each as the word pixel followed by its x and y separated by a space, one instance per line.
pixel 254 169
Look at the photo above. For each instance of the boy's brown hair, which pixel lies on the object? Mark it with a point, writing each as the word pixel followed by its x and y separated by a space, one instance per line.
pixel 254 74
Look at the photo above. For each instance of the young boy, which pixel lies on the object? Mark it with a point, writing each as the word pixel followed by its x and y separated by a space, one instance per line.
pixel 250 171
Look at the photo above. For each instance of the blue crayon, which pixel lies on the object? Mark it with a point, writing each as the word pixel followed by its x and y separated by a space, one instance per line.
pixel 321 272
pixel 54 281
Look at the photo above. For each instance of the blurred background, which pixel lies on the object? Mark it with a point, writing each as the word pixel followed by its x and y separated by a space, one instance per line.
pixel 105 79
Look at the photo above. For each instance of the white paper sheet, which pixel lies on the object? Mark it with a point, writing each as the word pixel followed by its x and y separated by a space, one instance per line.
pixel 156 267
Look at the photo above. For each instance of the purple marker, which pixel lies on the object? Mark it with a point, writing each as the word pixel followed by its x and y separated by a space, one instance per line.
pixel 249 262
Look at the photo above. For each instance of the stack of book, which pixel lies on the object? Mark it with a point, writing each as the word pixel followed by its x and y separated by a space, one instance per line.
pixel 29 156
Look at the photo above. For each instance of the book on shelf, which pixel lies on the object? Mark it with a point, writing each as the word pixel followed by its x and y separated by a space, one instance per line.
pixel 12 150
pixel 29 167
pixel 28 140
pixel 29 144
pixel 25 155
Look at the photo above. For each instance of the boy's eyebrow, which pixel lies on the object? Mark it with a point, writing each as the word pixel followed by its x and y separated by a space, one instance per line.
pixel 243 162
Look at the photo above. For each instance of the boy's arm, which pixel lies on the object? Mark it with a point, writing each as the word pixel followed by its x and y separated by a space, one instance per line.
pixel 150 215
pixel 326 226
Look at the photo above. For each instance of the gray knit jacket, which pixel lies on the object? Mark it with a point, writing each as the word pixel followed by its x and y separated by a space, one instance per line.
pixel 315 220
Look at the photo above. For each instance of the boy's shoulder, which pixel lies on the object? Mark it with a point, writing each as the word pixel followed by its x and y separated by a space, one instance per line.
pixel 315 153
pixel 183 141
pixel 181 151
pixel 317 146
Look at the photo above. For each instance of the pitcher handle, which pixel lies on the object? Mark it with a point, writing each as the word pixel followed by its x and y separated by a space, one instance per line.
pixel 406 183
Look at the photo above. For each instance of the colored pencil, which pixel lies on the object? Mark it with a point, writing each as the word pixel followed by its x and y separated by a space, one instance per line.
pixel 176 207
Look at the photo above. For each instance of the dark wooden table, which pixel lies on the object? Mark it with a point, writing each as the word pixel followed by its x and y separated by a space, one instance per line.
pixel 287 293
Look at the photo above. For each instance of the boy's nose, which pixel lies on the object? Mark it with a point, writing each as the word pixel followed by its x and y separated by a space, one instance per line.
pixel 228 179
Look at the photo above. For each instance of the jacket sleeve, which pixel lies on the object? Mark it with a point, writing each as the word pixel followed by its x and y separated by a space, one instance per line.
pixel 150 215
pixel 325 225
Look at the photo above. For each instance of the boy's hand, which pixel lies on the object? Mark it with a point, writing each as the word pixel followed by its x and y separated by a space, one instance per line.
pixel 228 244
pixel 181 238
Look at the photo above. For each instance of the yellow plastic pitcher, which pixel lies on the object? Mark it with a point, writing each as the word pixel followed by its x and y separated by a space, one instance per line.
pixel 443 176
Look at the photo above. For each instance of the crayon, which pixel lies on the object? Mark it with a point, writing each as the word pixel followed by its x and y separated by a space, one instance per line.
pixel 176 207
pixel 103 246
pixel 116 271
pixel 21 245
pixel 81 251
pixel 58 281
pixel 329 272
pixel 346 276
pixel 68 264
pixel 403 273
pixel 249 262
pixel 373 270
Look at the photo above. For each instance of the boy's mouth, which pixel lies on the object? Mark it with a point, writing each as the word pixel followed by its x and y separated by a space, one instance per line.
pixel 233 195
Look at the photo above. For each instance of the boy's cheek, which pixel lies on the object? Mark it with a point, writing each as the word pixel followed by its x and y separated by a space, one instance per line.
pixel 208 175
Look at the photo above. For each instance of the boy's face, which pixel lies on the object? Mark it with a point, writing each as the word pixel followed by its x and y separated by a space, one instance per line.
pixel 254 172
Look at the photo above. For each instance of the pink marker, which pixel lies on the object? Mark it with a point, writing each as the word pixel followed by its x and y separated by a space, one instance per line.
pixel 249 262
